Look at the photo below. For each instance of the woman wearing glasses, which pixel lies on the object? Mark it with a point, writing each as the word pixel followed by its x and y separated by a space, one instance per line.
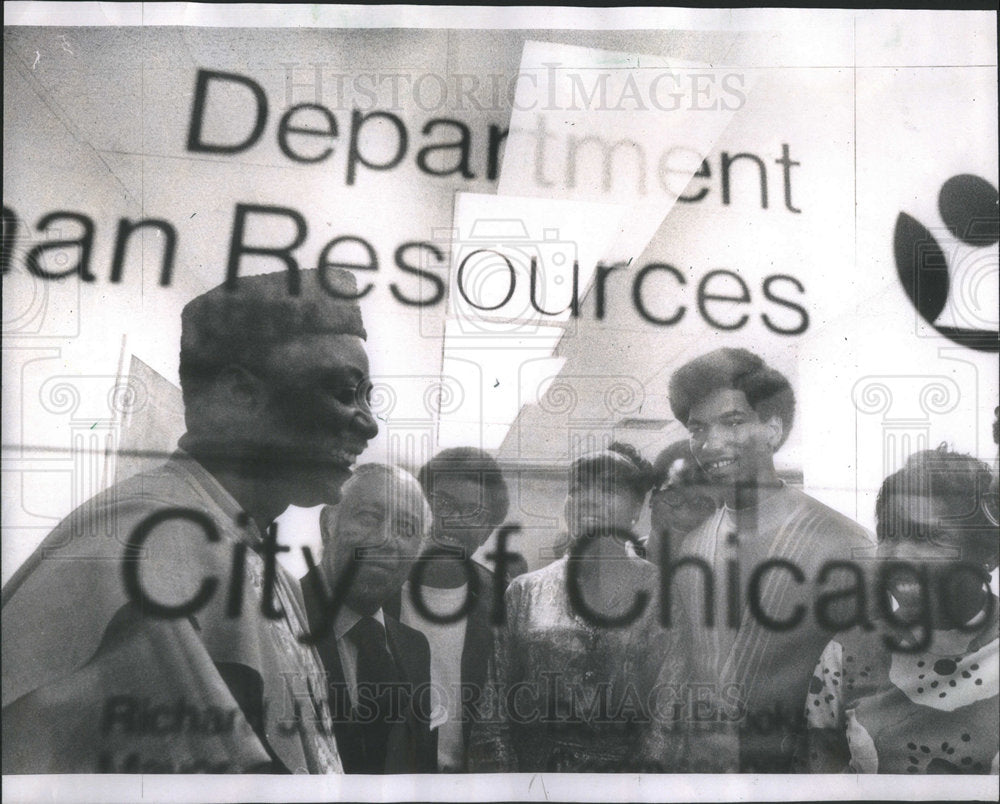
pixel 571 668
pixel 682 498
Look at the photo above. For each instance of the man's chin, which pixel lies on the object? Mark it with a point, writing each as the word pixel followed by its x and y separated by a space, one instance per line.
pixel 734 479
pixel 322 486
pixel 283 461
pixel 723 475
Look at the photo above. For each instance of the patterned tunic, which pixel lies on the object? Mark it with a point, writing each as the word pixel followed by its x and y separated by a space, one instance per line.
pixel 870 710
pixel 93 683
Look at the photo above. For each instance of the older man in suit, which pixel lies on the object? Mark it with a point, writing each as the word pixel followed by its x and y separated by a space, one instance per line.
pixel 378 669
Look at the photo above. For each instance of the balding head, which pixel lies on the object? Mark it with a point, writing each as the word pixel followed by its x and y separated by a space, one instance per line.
pixel 380 523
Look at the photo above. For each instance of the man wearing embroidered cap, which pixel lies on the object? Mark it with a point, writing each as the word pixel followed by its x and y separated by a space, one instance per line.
pixel 153 631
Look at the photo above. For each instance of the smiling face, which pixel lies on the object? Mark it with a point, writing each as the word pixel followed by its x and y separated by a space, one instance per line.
pixel 947 539
pixel 730 441
pixel 380 524
pixel 599 505
pixel 316 420
pixel 461 512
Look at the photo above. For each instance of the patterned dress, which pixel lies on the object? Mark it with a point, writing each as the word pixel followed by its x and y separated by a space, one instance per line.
pixel 870 710
pixel 565 695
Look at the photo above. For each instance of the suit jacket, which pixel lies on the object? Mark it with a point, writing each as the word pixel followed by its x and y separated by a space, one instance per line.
pixel 412 745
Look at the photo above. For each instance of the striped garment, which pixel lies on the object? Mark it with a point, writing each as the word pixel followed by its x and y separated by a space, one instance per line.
pixel 744 679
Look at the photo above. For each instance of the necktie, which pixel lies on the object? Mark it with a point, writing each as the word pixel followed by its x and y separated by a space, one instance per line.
pixel 376 676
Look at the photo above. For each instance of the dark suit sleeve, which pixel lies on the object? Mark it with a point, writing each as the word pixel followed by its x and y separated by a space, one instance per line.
pixel 425 737
pixel 412 652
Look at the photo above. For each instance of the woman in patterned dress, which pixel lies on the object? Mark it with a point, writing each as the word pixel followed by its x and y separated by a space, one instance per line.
pixel 569 688
pixel 917 693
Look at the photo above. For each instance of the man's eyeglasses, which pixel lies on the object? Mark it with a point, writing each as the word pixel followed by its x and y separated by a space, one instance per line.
pixel 448 507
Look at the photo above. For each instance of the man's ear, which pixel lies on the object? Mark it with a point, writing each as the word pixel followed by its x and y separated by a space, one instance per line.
pixel 242 387
pixel 775 431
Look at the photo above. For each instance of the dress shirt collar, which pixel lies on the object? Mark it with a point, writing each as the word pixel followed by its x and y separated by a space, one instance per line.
pixel 347 618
